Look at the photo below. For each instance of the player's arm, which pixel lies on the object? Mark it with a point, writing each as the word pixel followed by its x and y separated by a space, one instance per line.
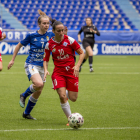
pixel 46 72
pixel 11 63
pixel 79 34
pixel 23 42
pixel 78 49
pixel 3 36
pixel 77 66
pixel 95 31
pixel 45 63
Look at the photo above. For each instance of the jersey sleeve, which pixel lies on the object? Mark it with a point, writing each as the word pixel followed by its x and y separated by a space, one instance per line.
pixel 98 33
pixel 74 43
pixel 26 41
pixel 81 30
pixel 47 53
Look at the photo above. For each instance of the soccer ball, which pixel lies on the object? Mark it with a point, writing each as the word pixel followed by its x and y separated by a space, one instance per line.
pixel 75 120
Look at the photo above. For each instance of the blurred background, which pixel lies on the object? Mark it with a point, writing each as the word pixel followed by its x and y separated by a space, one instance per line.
pixel 117 20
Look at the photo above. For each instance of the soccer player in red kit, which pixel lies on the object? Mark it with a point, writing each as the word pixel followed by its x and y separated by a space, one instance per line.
pixel 65 74
pixel 2 36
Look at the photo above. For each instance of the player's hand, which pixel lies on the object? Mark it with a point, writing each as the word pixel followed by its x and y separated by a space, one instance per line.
pixel 3 36
pixel 11 63
pixel 65 30
pixel 76 71
pixel 45 74
pixel 79 41
pixel 91 30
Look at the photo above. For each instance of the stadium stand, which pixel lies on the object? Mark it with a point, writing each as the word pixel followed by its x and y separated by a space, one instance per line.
pixel 106 14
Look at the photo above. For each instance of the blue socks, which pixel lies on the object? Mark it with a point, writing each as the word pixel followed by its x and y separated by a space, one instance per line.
pixel 28 91
pixel 31 103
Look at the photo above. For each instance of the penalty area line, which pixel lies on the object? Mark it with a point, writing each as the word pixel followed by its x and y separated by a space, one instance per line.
pixel 98 128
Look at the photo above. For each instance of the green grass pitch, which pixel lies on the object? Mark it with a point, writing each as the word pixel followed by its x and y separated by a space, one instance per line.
pixel 109 100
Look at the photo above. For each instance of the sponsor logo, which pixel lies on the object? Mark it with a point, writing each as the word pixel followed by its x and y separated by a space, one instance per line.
pixel 76 84
pixel 38 59
pixel 8 48
pixel 63 57
pixel 120 49
pixel 35 39
pixel 95 49
pixel 38 50
pixel 67 68
pixel 89 35
pixel 42 39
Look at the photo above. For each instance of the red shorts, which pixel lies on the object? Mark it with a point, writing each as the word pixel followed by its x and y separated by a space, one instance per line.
pixel 64 78
pixel 0 58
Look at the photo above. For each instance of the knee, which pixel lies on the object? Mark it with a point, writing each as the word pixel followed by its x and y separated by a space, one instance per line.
pixel 39 85
pixel 90 53
pixel 62 97
pixel 74 98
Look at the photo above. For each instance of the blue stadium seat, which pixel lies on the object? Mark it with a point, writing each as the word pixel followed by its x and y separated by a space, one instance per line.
pixel 7 5
pixel 12 10
pixel 70 2
pixel 115 15
pixel 68 10
pixel 7 26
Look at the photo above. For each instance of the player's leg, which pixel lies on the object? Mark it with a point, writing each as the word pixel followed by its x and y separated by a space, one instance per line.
pixel 30 71
pixel 72 95
pixel 90 54
pixel 1 67
pixel 63 101
pixel 85 45
pixel 38 86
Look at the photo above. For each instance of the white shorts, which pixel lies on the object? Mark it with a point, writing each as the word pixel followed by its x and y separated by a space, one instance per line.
pixel 32 69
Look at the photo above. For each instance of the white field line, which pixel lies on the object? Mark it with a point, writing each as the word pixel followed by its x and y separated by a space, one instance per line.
pixel 98 128
pixel 93 67
pixel 88 73
pixel 111 73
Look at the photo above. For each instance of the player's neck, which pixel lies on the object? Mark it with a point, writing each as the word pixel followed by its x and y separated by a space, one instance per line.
pixel 89 25
pixel 58 39
pixel 41 32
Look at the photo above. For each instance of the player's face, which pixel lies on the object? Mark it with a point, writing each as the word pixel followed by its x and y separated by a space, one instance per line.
pixel 44 25
pixel 88 21
pixel 59 31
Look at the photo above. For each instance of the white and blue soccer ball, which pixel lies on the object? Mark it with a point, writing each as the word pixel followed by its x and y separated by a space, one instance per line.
pixel 75 120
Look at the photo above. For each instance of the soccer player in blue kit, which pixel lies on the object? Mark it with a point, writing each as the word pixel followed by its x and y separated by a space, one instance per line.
pixel 34 62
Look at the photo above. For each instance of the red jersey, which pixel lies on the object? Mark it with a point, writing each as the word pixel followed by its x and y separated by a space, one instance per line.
pixel 62 52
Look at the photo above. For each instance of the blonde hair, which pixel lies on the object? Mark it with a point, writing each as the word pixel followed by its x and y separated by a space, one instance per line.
pixel 42 15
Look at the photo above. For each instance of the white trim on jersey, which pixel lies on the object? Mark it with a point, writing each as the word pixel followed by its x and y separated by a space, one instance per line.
pixel 71 39
pixel 47 46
